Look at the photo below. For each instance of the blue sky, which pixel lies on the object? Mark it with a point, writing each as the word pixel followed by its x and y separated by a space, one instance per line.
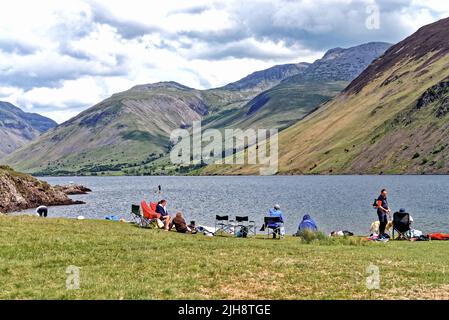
pixel 58 58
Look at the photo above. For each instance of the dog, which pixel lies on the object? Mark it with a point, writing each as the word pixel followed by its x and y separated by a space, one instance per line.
pixel 375 227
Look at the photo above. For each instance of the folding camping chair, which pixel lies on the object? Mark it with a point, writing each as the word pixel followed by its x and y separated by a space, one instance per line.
pixel 243 223
pixel 273 231
pixel 136 216
pixel 148 213
pixel 401 224
pixel 223 224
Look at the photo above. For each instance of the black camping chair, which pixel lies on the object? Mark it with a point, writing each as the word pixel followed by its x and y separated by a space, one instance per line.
pixel 136 215
pixel 272 232
pixel 243 223
pixel 222 223
pixel 401 224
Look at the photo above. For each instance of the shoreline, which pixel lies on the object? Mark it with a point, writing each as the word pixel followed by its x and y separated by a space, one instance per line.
pixel 249 175
pixel 318 192
pixel 21 191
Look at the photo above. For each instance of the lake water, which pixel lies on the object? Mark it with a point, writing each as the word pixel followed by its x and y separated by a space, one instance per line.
pixel 335 202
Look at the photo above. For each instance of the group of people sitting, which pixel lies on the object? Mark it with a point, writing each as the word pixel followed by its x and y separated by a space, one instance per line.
pixel 159 212
pixel 307 223
pixel 378 230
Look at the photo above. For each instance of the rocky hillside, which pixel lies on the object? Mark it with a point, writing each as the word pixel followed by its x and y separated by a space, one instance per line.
pixel 18 127
pixel 342 64
pixel 265 79
pixel 393 118
pixel 20 191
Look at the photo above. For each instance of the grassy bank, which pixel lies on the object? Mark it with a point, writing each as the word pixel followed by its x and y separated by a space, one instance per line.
pixel 120 261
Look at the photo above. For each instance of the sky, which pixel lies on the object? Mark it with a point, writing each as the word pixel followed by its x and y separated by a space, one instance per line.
pixel 58 58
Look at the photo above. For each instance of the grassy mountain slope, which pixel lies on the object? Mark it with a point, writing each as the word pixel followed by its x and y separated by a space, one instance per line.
pixel 18 127
pixel 394 118
pixel 129 127
pixel 286 104
pixel 296 96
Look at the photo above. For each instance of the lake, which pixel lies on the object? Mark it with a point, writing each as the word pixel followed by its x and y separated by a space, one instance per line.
pixel 335 202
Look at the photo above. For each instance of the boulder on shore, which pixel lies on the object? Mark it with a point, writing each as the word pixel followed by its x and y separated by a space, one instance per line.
pixel 72 189
pixel 19 191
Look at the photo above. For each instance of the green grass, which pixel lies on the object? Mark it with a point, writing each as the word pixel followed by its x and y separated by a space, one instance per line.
pixel 121 261
pixel 289 102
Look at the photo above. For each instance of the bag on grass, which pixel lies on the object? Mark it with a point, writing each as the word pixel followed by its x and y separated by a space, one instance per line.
pixel 242 233
pixel 282 231
pixel 160 224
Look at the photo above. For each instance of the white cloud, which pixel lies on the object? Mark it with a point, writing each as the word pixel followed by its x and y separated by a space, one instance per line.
pixel 60 57
pixel 72 93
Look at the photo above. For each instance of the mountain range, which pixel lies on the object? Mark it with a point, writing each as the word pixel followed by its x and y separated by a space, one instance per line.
pixel 131 129
pixel 294 97
pixel 392 119
pixel 17 127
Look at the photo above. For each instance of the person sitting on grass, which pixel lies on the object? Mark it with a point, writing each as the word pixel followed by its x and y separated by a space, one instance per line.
pixel 180 224
pixel 307 224
pixel 161 209
pixel 402 212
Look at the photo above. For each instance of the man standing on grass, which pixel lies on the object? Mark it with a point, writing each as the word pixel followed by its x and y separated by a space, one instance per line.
pixel 383 211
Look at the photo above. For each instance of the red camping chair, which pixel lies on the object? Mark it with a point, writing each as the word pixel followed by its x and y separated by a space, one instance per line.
pixel 148 212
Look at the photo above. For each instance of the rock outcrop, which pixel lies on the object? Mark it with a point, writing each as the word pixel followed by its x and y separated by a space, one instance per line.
pixel 73 189
pixel 20 191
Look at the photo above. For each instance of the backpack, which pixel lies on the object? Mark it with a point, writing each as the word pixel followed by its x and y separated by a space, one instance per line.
pixel 242 233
